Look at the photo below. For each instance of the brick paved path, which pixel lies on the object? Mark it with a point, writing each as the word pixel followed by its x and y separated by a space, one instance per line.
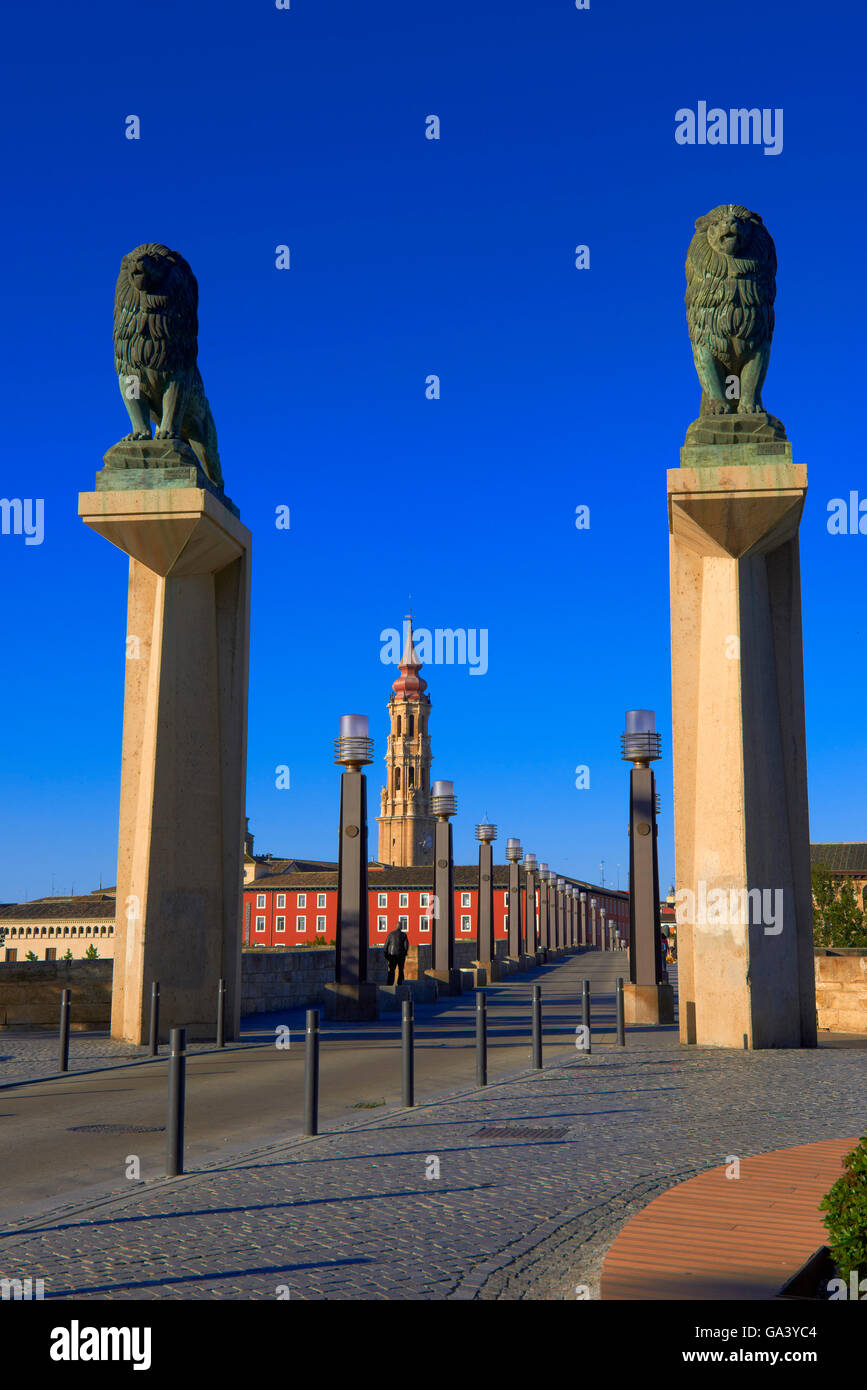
pixel 718 1236
pixel 354 1214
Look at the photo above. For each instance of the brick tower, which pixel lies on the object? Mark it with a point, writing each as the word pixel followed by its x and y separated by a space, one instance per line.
pixel 406 826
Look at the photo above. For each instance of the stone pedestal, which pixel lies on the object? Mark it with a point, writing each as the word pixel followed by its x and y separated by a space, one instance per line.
pixel 740 781
pixel 351 1003
pixel 448 981
pixel 184 745
pixel 648 1003
pixel 491 968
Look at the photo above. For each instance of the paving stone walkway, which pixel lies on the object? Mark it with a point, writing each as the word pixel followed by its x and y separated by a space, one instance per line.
pixel 418 1205
pixel 28 1055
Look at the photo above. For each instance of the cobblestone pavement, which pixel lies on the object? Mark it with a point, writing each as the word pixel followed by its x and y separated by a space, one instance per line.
pixel 28 1055
pixel 361 1213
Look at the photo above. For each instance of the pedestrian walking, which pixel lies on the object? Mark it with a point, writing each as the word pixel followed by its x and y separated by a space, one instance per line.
pixel 396 952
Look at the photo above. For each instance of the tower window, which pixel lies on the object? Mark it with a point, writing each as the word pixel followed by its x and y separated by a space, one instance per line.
pixel 411 729
pixel 422 779
pixel 398 723
pixel 410 777
pixel 397 779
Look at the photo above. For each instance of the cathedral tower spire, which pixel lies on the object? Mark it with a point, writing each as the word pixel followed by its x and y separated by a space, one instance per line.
pixel 406 826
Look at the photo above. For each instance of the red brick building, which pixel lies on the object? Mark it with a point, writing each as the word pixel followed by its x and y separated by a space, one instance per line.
pixel 287 906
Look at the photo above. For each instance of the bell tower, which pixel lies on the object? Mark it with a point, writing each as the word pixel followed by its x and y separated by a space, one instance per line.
pixel 406 825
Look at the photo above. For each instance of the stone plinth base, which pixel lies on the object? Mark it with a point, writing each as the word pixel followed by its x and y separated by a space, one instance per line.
pixel 648 1003
pixel 490 968
pixel 474 977
pixel 391 997
pixel 719 430
pixel 448 981
pixel 352 1003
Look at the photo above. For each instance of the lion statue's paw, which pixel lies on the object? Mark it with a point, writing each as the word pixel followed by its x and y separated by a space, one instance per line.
pixel 745 409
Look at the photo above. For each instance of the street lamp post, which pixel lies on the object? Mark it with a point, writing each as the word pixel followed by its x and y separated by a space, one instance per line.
pixel 352 997
pixel 530 910
pixel 444 805
pixel 513 854
pixel 648 997
pixel 486 834
pixel 544 936
pixel 561 916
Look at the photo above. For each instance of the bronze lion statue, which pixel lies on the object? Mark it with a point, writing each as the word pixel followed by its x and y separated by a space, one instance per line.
pixel 155 345
pixel 731 269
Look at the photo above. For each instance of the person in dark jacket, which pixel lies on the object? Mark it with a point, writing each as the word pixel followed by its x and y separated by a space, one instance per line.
pixel 396 951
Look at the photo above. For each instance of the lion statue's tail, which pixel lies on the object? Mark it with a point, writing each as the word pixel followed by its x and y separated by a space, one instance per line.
pixel 205 446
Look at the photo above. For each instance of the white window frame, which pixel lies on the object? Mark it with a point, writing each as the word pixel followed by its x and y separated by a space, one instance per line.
pixel 280 924
pixel 424 899
pixel 466 924
pixel 403 900
pixel 382 924
pixel 260 899
pixel 260 923
pixel 302 900
pixel 424 924
pixel 320 899
pixel 403 923
pixel 320 925
pixel 465 900
pixel 281 899
pixel 300 924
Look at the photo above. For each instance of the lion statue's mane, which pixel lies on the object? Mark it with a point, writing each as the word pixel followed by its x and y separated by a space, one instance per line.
pixel 730 299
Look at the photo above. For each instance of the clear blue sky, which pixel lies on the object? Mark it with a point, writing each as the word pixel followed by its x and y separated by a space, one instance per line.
pixel 409 257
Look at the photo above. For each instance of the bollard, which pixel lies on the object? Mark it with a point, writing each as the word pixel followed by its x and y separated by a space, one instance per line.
pixel 406 1042
pixel 177 1098
pixel 481 1038
pixel 585 1004
pixel 621 1024
pixel 154 1032
pixel 65 997
pixel 537 1026
pixel 221 1014
pixel 311 1073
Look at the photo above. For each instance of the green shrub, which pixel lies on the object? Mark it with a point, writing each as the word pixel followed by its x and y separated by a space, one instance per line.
pixel 91 953
pixel 31 955
pixel 846 1205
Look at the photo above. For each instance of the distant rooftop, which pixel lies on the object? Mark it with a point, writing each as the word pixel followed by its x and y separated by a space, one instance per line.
pixel 842 857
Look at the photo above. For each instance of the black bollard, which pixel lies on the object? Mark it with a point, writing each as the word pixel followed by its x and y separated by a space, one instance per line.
pixel 65 997
pixel 537 1026
pixel 406 1043
pixel 311 1073
pixel 177 1098
pixel 221 1014
pixel 154 1033
pixel 621 1025
pixel 585 1004
pixel 481 1038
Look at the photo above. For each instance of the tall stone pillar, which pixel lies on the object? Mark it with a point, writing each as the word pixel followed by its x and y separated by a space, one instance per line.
pixel 184 737
pixel 745 938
